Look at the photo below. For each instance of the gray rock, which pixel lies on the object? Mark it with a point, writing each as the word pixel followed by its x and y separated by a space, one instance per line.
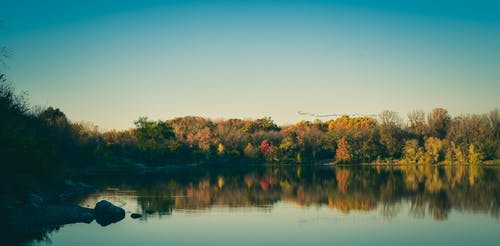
pixel 107 213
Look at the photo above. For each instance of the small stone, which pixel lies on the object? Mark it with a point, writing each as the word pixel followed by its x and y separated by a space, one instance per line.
pixel 135 215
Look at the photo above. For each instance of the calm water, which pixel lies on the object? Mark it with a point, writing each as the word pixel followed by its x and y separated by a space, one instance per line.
pixel 291 205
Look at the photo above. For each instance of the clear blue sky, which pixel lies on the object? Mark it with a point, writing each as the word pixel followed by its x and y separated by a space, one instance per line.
pixel 110 62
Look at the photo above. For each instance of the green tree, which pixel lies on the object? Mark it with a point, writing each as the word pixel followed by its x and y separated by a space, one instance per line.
pixel 153 138
pixel 391 134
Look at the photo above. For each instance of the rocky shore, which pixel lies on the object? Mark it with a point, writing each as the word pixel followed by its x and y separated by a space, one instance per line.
pixel 31 216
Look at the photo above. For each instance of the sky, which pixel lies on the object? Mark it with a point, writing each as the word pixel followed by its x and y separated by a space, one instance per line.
pixel 110 62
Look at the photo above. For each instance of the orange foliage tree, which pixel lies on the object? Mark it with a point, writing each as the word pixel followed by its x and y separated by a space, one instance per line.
pixel 343 150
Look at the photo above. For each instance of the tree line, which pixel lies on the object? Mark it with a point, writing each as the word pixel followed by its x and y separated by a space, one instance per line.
pixel 431 139
pixel 34 140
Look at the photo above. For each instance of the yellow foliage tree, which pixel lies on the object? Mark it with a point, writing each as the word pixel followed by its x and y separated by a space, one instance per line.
pixel 475 157
pixel 220 149
pixel 433 147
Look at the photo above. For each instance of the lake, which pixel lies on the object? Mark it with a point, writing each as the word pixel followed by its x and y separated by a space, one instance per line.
pixel 296 205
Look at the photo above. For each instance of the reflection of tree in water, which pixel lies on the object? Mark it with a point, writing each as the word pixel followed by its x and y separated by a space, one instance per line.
pixel 342 176
pixel 425 188
pixel 163 205
pixel 439 205
pixel 417 206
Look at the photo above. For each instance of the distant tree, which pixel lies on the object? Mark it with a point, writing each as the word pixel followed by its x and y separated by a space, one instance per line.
pixel 266 148
pixel 412 152
pixel 454 154
pixel 262 124
pixel 342 123
pixel 417 125
pixel 250 151
pixel 312 139
pixel 153 139
pixel 304 138
pixel 390 119
pixel 343 153
pixel 289 146
pixel 221 149
pixel 230 134
pixel 4 54
pixel 474 129
pixel 494 118
pixel 439 121
pixel 202 139
pixel 153 131
pixel 54 117
pixel 475 157
pixel 433 150
pixel 11 103
pixel 183 126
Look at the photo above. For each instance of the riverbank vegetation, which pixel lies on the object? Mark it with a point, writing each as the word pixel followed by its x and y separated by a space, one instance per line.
pixel 44 142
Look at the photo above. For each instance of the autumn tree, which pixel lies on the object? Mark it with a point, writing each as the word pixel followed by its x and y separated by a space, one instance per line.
pixel 343 153
pixel 417 125
pixel 412 152
pixel 230 134
pixel 433 150
pixel 262 124
pixel 474 129
pixel 390 119
pixel 266 148
pixel 363 135
pixel 494 118
pixel 454 154
pixel 303 140
pixel 250 151
pixel 475 157
pixel 438 122
pixel 289 147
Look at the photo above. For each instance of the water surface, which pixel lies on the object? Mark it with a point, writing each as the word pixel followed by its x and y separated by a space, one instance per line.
pixel 297 205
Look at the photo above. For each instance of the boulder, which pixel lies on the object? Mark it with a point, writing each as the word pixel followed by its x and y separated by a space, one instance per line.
pixel 107 213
